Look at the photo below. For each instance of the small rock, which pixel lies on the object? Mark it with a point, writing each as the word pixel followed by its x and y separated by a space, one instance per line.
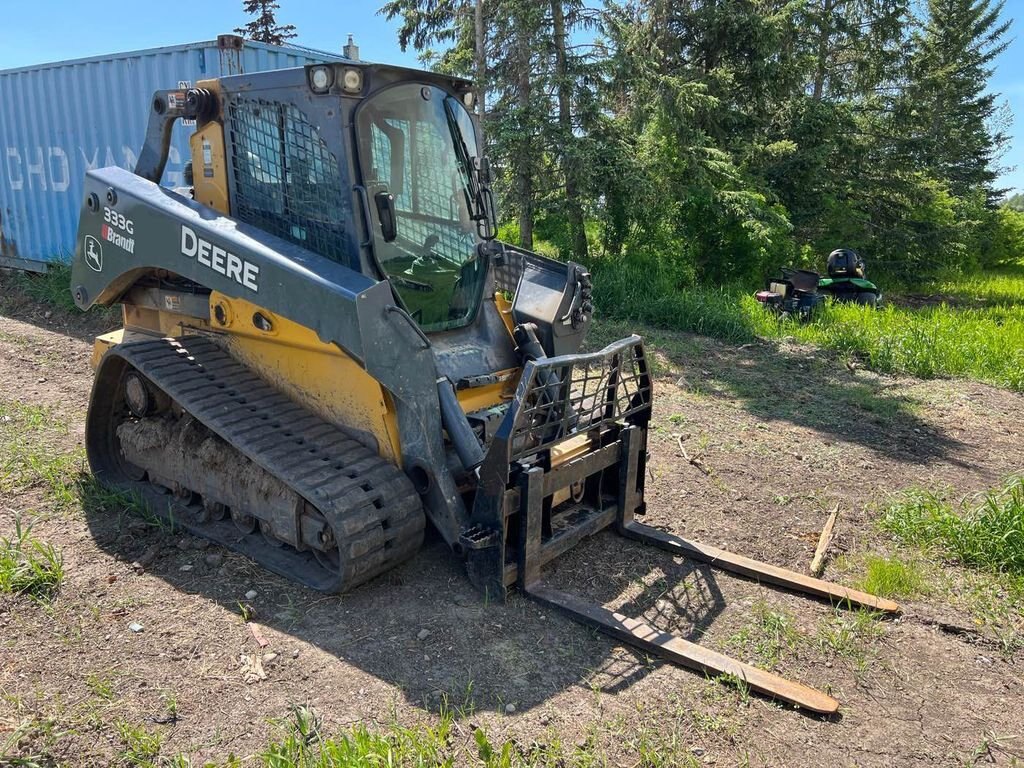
pixel 147 558
pixel 135 627
pixel 138 567
pixel 423 634
pixel 545 719
pixel 295 653
pixel 510 709
pixel 186 567
pixel 42 380
pixel 698 751
pixel 201 544
pixel 251 594
pixel 214 559
pixel 269 657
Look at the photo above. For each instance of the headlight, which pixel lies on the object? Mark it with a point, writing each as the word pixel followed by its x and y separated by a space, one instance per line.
pixel 320 78
pixel 352 80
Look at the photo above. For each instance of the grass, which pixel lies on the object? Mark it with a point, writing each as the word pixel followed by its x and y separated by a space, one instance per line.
pixel 986 531
pixel 52 287
pixel 849 633
pixel 31 454
pixel 984 341
pixel 768 636
pixel 892 577
pixel 305 745
pixel 140 747
pixel 29 566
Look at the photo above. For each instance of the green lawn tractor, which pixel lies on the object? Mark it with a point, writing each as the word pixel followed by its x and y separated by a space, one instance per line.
pixel 799 292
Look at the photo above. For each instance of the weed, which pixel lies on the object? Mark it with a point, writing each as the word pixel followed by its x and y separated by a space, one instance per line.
pixel 29 566
pixel 28 454
pixel 170 701
pixel 741 686
pixel 986 532
pixel 141 747
pixel 849 633
pixel 12 746
pixel 768 636
pixel 892 577
pixel 245 610
pixel 304 745
pixel 100 686
pixel 98 498
pixel 53 288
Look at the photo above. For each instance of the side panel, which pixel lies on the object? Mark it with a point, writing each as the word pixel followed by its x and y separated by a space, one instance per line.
pixel 318 376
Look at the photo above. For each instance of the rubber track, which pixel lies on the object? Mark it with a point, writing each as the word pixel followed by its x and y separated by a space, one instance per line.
pixel 376 513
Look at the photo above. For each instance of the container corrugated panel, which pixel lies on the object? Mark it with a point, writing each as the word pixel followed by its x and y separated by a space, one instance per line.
pixel 59 120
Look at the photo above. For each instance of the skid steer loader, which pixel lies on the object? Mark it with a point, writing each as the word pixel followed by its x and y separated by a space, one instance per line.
pixel 324 346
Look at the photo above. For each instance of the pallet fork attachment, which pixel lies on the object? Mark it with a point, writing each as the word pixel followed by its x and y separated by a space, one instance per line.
pixel 663 644
pixel 604 400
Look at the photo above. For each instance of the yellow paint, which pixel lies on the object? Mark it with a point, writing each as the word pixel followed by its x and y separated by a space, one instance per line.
pixel 478 398
pixel 209 160
pixel 568 450
pixel 505 311
pixel 159 323
pixel 319 376
pixel 107 341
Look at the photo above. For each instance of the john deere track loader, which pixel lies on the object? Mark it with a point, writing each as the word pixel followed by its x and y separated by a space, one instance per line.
pixel 324 347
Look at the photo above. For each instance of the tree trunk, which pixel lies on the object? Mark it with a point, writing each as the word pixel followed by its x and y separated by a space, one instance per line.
pixel 525 160
pixel 824 33
pixel 480 62
pixel 570 164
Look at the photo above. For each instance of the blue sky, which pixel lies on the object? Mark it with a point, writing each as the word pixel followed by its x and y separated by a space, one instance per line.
pixel 46 30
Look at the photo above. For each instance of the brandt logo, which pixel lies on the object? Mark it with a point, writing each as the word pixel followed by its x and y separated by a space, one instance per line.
pixel 93 253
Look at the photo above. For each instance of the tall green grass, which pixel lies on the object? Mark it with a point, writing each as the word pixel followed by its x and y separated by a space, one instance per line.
pixel 984 342
pixel 52 287
pixel 986 532
pixel 29 566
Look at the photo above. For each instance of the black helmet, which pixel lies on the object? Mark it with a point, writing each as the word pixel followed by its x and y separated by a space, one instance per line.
pixel 846 262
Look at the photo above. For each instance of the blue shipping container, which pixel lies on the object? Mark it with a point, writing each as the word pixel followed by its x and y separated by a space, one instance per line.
pixel 59 120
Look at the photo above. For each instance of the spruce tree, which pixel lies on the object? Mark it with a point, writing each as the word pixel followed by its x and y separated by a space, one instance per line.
pixel 948 104
pixel 264 27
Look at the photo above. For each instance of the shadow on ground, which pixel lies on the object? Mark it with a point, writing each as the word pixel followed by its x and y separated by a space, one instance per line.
pixel 423 628
pixel 785 384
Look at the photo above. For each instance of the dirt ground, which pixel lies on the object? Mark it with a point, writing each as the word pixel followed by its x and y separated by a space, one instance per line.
pixel 780 434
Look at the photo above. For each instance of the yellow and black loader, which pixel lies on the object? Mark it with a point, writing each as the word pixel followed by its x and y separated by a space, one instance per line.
pixel 325 346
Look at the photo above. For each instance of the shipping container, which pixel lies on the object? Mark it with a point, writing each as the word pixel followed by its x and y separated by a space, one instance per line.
pixel 61 119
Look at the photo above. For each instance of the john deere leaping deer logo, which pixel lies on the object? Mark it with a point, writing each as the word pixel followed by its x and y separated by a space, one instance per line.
pixel 93 253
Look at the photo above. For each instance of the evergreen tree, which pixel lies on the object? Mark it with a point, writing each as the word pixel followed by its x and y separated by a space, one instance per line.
pixel 264 27
pixel 948 105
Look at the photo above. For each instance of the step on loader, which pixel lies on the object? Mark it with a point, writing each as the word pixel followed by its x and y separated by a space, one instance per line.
pixel 324 346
